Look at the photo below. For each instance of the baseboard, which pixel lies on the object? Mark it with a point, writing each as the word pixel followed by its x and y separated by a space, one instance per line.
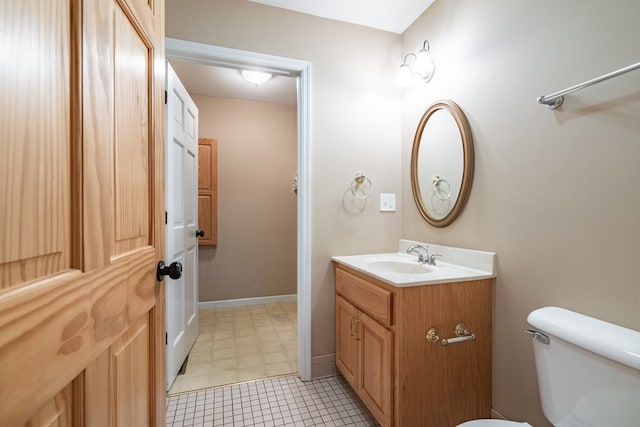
pixel 323 366
pixel 497 415
pixel 246 301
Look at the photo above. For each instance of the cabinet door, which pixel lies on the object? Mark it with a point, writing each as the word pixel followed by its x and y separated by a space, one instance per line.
pixel 208 191
pixel 376 344
pixel 346 344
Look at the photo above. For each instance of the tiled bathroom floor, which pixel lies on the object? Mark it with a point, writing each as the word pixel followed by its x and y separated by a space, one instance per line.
pixel 239 344
pixel 281 401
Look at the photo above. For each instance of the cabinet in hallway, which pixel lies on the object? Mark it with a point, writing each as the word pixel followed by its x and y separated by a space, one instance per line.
pixel 208 191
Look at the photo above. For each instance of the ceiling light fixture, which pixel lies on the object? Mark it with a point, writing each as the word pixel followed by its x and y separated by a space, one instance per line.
pixel 422 68
pixel 256 77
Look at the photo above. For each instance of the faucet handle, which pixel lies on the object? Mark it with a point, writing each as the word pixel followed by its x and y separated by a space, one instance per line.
pixel 432 259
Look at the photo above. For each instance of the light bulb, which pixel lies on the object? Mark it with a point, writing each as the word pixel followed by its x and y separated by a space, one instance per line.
pixel 424 65
pixel 404 75
pixel 256 77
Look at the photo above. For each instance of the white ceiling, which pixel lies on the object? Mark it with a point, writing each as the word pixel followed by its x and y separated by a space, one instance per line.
pixel 209 80
pixel 388 15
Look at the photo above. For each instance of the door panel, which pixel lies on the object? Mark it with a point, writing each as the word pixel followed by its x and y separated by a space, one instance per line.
pixel 132 135
pixel 57 412
pixel 34 129
pixel 346 343
pixel 182 220
pixel 131 375
pixel 95 379
pixel 205 203
pixel 82 131
pixel 376 368
pixel 94 166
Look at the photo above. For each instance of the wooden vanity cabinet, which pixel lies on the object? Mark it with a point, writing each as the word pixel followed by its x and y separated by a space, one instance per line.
pixel 382 352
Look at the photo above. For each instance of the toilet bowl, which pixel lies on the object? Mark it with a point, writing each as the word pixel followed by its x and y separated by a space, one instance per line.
pixel 493 423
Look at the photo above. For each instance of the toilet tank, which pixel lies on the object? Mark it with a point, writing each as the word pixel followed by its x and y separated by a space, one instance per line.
pixel 589 372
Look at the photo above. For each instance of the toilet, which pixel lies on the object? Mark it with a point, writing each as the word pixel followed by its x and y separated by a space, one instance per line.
pixel 588 371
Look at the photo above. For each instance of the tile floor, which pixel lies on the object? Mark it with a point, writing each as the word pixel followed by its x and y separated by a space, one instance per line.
pixel 239 344
pixel 281 401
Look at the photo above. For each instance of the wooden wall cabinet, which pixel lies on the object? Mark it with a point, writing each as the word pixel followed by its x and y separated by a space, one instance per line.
pixel 208 191
pixel 382 352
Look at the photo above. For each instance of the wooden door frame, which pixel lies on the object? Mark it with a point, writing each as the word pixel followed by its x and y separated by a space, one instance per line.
pixel 232 58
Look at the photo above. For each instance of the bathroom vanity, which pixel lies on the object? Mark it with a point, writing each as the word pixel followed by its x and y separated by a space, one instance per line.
pixel 396 338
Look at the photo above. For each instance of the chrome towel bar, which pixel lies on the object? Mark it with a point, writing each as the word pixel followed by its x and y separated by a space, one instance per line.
pixel 555 99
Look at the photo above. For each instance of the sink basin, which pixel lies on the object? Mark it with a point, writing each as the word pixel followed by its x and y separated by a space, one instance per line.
pixel 400 267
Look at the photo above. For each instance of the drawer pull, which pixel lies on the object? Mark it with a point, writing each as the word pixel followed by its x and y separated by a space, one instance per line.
pixel 461 332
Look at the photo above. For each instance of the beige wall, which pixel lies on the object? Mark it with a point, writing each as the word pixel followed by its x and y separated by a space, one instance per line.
pixel 555 194
pixel 256 251
pixel 355 123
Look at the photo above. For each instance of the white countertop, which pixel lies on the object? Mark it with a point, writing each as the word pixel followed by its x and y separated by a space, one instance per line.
pixel 455 265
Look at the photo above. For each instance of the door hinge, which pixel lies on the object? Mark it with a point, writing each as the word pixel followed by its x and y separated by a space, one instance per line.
pixel 165 217
pixel 165 97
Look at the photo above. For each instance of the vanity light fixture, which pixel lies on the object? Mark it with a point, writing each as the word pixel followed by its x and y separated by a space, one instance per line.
pixel 256 77
pixel 422 66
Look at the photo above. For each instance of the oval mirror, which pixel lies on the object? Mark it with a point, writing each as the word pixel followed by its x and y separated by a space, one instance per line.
pixel 442 163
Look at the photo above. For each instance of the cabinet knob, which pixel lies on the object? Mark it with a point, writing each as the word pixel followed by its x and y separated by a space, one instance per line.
pixel 199 233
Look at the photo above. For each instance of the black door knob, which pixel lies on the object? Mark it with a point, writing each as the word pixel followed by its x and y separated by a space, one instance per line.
pixel 199 233
pixel 174 270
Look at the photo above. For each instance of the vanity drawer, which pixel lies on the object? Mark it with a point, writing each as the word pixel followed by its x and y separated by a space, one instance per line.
pixel 368 297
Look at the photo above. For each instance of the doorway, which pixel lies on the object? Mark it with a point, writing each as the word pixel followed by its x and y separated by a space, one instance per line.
pixel 230 58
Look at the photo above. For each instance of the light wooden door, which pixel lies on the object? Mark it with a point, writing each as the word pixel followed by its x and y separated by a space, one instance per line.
pixel 182 220
pixel 346 343
pixel 376 349
pixel 82 213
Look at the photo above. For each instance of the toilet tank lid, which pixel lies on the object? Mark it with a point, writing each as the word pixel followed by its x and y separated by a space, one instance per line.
pixel 606 339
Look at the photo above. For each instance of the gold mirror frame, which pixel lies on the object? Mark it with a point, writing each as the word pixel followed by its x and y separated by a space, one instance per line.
pixel 467 169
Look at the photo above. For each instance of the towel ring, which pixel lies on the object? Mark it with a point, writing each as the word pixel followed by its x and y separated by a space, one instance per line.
pixel 359 179
pixel 438 190
pixel 294 185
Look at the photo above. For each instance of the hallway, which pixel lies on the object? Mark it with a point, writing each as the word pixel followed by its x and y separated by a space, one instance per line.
pixel 237 344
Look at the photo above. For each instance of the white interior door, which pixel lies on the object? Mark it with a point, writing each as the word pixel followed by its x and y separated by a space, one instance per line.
pixel 181 159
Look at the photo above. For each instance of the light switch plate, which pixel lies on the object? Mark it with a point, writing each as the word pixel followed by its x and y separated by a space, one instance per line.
pixel 387 202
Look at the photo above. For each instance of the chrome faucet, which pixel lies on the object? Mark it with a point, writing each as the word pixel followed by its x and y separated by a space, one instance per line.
pixel 423 254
